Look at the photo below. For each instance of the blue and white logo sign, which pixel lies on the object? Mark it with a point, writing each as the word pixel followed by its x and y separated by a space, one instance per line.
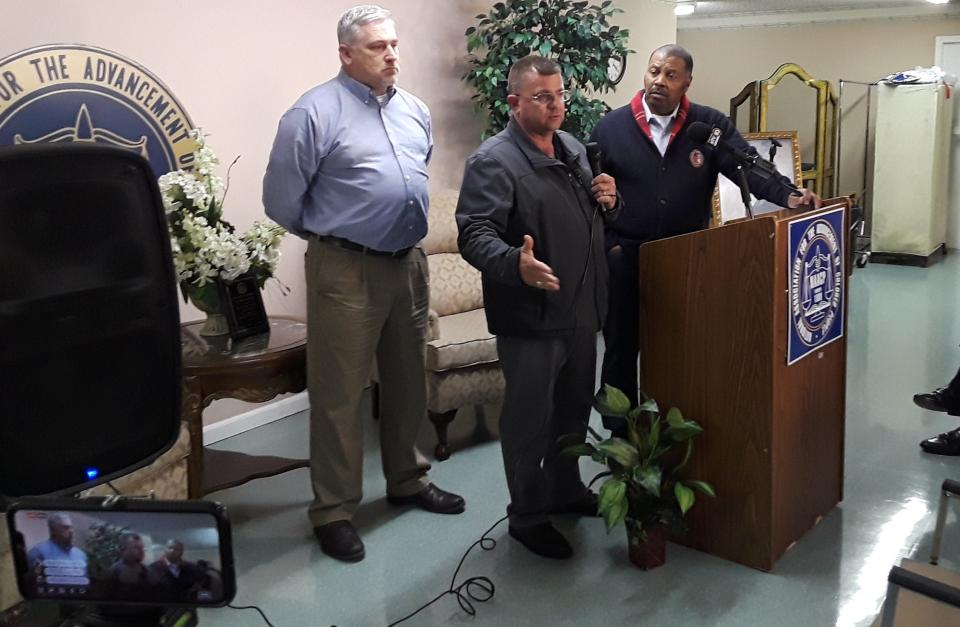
pixel 817 270
pixel 77 93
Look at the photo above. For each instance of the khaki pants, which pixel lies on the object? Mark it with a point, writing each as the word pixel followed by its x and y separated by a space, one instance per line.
pixel 359 307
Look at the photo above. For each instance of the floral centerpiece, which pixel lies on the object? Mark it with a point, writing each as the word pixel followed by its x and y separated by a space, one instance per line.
pixel 207 248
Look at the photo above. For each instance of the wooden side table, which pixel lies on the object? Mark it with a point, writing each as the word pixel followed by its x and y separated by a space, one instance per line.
pixel 255 369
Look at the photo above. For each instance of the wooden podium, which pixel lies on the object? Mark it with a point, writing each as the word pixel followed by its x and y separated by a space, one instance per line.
pixel 715 322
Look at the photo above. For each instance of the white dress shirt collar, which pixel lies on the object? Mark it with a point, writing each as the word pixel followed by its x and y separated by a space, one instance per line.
pixel 660 126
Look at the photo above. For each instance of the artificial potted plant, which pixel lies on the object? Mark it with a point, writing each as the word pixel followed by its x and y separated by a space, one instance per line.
pixel 576 34
pixel 643 487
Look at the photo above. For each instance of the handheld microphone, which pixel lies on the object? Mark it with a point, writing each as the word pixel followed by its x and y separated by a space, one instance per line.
pixel 700 133
pixel 595 158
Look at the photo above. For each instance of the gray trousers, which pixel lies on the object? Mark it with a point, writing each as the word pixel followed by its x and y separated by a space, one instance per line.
pixel 360 307
pixel 549 393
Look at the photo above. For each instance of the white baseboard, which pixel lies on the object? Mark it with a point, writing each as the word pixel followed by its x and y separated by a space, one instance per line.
pixel 257 417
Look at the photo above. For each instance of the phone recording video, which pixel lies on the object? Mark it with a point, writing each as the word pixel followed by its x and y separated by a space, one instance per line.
pixel 133 553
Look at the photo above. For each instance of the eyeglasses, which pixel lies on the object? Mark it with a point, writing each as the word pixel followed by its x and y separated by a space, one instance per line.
pixel 547 99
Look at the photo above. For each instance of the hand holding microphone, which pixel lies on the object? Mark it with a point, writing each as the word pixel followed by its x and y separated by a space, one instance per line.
pixel 603 186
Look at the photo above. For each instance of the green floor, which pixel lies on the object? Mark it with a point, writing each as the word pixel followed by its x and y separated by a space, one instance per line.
pixel 903 334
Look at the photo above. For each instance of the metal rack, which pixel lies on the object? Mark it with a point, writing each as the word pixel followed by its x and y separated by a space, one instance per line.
pixel 861 210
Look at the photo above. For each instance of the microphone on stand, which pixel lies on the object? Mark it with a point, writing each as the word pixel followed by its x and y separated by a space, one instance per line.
pixel 700 133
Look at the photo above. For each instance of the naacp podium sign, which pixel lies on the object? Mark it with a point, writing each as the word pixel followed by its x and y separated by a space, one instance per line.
pixel 79 93
pixel 817 272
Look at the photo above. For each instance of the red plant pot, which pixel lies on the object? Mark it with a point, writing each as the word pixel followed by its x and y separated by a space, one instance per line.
pixel 649 552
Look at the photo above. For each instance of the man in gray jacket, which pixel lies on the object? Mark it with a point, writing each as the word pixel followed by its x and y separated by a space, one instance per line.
pixel 531 217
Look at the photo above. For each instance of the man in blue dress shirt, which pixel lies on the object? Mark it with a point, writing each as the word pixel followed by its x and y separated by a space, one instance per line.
pixel 348 173
pixel 59 548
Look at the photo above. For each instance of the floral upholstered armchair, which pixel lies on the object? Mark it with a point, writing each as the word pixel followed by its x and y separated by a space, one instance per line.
pixel 462 364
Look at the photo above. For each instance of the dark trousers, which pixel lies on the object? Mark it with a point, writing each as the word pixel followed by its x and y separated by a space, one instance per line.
pixel 549 393
pixel 621 331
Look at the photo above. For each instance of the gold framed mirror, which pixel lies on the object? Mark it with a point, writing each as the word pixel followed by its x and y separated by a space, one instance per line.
pixel 818 171
pixel 784 146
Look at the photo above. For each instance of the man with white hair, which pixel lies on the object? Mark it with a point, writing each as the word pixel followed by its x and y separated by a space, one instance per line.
pixel 348 173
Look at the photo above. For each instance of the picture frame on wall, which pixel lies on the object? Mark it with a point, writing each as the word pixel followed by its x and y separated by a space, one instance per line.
pixel 727 204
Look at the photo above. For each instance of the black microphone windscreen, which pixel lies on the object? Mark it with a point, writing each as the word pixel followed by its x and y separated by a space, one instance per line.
pixel 698 132
pixel 594 157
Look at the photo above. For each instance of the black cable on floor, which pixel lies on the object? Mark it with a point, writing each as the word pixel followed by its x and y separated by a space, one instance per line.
pixel 477 589
pixel 253 607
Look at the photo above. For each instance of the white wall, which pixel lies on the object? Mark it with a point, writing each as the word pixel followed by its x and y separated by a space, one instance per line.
pixel 237 65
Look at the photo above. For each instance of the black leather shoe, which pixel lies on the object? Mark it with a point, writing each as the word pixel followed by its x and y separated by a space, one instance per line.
pixel 340 541
pixel 944 444
pixel 940 399
pixel 586 506
pixel 544 540
pixel 432 499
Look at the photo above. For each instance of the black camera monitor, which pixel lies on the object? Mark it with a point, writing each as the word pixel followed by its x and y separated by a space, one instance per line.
pixel 141 552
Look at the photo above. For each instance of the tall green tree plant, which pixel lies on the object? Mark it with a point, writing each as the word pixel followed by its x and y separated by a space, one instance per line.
pixel 578 35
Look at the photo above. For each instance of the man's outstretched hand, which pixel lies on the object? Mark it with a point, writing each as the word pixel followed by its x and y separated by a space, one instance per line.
pixel 536 273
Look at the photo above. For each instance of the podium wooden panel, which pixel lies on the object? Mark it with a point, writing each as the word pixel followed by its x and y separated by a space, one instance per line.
pixel 714 328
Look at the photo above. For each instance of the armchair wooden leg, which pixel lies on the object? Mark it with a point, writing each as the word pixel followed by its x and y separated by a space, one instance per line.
pixel 440 423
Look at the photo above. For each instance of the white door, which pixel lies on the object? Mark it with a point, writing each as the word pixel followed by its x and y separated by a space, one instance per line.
pixel 947 56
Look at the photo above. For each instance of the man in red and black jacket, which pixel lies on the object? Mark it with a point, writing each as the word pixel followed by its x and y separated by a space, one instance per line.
pixel 666 181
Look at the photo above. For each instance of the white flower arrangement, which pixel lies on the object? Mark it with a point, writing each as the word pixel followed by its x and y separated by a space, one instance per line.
pixel 205 246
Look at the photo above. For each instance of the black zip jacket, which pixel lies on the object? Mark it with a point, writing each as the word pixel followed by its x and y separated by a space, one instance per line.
pixel 511 189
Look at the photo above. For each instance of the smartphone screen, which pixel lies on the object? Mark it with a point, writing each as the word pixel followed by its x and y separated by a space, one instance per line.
pixel 98 555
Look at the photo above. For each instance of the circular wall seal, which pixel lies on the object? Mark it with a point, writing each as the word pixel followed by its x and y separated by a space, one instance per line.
pixel 79 93
pixel 816 282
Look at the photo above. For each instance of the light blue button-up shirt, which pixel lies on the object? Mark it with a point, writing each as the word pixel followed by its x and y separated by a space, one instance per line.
pixel 342 164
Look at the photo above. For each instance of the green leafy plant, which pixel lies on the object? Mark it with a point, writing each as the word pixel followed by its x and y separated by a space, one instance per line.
pixel 643 485
pixel 577 35
pixel 103 547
